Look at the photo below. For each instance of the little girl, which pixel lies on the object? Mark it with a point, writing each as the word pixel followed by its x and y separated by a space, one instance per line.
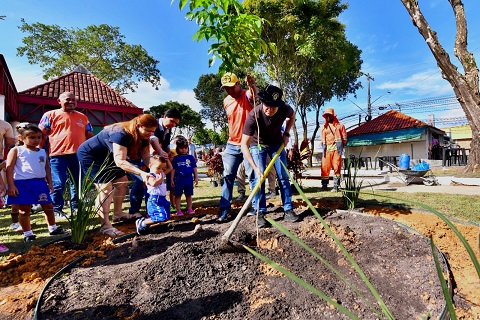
pixel 184 173
pixel 29 180
pixel 158 207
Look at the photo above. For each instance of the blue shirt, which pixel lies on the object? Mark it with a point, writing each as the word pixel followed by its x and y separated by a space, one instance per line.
pixel 183 165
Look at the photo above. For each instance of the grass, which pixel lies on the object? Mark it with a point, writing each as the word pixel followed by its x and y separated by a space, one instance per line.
pixel 461 207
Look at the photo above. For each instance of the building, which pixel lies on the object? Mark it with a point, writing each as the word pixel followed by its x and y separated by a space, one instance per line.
pixel 101 104
pixel 394 133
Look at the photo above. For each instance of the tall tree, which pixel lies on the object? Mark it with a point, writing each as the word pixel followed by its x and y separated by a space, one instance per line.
pixel 465 85
pixel 191 120
pixel 210 95
pixel 314 61
pixel 101 49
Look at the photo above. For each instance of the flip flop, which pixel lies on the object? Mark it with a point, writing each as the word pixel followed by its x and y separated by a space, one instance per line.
pixel 126 217
pixel 112 232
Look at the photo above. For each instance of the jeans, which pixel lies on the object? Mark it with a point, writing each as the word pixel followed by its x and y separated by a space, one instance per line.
pixel 232 157
pixel 137 190
pixel 60 166
pixel 285 187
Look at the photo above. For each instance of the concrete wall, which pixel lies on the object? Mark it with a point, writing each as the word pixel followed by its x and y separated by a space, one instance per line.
pixel 416 150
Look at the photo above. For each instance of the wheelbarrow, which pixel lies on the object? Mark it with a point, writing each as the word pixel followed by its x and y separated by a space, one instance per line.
pixel 409 176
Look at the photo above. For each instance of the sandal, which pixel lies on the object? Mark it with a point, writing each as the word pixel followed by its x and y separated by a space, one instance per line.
pixel 126 217
pixel 111 232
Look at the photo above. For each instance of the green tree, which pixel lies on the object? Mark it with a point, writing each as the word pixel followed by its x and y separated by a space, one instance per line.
pixel 465 85
pixel 210 95
pixel 313 61
pixel 191 120
pixel 101 49
pixel 235 35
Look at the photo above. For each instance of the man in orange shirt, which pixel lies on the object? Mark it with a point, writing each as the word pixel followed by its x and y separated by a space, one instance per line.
pixel 334 139
pixel 66 129
pixel 237 105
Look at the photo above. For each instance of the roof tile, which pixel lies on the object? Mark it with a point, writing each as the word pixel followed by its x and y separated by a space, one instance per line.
pixel 389 121
pixel 86 87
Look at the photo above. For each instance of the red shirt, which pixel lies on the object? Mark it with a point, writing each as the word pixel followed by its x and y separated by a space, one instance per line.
pixel 237 111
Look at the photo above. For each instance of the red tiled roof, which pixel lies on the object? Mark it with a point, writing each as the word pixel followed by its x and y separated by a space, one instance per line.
pixel 86 87
pixel 390 121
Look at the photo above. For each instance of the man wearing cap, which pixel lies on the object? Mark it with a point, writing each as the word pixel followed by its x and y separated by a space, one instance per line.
pixel 237 105
pixel 334 138
pixel 265 138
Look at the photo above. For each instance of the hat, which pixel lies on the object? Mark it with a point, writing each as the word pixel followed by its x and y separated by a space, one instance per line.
pixel 229 79
pixel 272 96
pixel 329 111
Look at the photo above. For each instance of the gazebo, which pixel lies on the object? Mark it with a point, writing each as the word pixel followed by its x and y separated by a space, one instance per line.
pixel 97 100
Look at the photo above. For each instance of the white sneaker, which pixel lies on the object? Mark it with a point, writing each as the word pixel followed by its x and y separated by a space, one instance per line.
pixel 36 207
pixel 14 226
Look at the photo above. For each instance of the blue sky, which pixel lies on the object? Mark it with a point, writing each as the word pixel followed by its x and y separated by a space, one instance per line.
pixel 393 52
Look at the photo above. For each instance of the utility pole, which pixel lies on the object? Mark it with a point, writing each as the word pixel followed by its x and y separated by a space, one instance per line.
pixel 369 105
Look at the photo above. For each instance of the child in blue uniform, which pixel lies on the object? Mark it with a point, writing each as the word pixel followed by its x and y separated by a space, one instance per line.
pixel 158 206
pixel 29 180
pixel 184 174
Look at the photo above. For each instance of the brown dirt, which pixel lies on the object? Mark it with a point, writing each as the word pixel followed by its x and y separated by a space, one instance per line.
pixel 178 271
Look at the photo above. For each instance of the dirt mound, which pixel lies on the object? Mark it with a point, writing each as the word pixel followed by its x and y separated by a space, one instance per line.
pixel 179 273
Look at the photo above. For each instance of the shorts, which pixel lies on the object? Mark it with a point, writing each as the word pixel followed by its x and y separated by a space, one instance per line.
pixel 183 185
pixel 31 191
pixel 158 208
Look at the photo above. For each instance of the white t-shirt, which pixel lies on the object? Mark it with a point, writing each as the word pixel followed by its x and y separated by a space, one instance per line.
pixel 30 164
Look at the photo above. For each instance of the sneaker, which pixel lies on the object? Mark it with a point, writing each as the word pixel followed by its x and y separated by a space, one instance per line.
pixel 30 238
pixel 290 216
pixel 3 248
pixel 269 195
pixel 324 187
pixel 60 215
pixel 179 213
pixel 191 212
pixel 335 189
pixel 58 231
pixel 222 217
pixel 36 208
pixel 141 230
pixel 251 213
pixel 241 197
pixel 14 226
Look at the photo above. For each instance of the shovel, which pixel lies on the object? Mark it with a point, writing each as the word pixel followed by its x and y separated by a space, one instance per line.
pixel 226 244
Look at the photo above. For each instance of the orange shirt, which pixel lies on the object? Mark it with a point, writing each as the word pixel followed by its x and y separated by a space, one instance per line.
pixel 66 130
pixel 237 111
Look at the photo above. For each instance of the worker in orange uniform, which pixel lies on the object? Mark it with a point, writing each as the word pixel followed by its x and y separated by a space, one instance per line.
pixel 334 139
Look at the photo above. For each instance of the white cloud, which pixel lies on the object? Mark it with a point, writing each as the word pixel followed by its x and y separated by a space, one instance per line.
pixel 426 83
pixel 146 96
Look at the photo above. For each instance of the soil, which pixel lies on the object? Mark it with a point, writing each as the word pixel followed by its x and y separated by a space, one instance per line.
pixel 179 271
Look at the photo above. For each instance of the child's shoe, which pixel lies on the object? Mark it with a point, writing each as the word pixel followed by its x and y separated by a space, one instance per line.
pixel 58 231
pixel 179 213
pixel 141 229
pixel 29 238
pixel 191 211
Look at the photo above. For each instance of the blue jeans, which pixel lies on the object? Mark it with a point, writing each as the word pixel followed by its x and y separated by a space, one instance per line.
pixel 137 190
pixel 282 176
pixel 60 166
pixel 232 157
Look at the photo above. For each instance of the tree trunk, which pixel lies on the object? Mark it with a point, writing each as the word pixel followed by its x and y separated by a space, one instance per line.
pixel 465 85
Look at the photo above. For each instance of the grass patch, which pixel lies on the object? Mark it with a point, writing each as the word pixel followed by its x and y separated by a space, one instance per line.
pixel 463 207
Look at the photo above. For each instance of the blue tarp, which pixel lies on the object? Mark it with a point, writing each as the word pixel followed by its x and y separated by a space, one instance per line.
pixel 386 137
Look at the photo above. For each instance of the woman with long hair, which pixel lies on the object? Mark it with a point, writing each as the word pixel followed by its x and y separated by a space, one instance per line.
pixel 106 155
